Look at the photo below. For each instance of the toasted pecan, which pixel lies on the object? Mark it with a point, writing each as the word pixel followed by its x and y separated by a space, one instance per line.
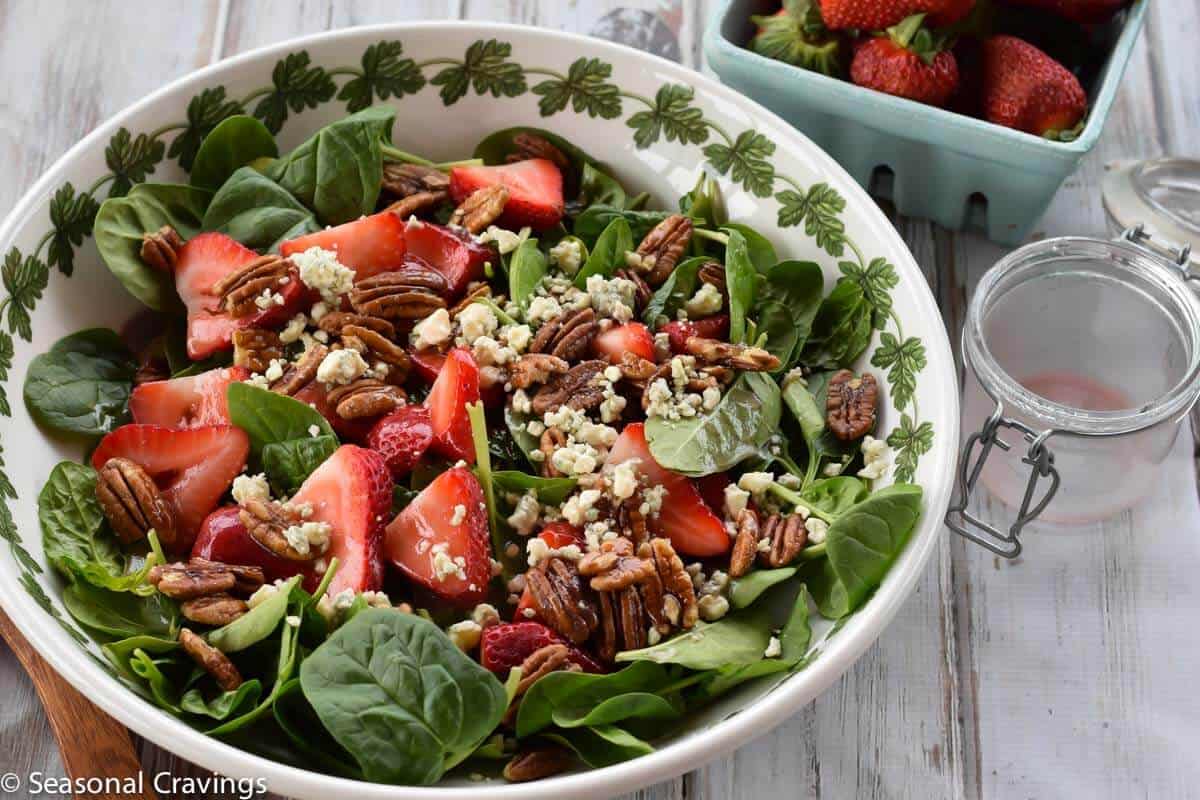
pixel 132 503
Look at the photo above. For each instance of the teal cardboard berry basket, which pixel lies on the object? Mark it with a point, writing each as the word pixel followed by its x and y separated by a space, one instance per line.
pixel 941 162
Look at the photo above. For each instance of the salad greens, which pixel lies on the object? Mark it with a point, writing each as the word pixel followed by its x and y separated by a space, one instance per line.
pixel 343 681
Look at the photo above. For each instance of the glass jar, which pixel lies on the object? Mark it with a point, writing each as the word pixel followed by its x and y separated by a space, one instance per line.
pixel 1083 360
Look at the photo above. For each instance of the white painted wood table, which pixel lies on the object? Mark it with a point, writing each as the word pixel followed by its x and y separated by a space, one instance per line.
pixel 1071 673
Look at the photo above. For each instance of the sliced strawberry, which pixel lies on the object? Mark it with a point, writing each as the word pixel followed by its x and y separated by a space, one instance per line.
pixel 224 538
pixel 348 430
pixel 457 386
pixel 368 246
pixel 685 519
pixel 535 193
pixel 203 261
pixel 712 489
pixel 455 254
pixel 401 438
pixel 632 337
pixel 427 365
pixel 440 540
pixel 352 491
pixel 192 468
pixel 190 402
pixel 679 331
pixel 508 645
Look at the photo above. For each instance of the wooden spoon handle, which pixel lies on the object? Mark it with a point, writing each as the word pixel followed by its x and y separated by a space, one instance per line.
pixel 92 744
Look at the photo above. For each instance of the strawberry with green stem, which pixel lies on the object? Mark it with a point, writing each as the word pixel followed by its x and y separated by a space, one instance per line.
pixel 796 35
pixel 907 61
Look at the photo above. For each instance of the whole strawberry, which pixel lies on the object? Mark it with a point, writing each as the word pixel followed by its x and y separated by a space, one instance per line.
pixel 907 62
pixel 875 15
pixel 1028 90
pixel 1081 11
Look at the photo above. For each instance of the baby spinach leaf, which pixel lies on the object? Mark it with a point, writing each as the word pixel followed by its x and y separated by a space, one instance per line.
pixel 676 290
pixel 574 694
pixel 525 441
pixel 787 304
pixel 741 285
pixel 634 705
pixel 257 212
pixel 842 328
pixel 338 171
pixel 121 651
pixel 759 249
pixel 836 495
pixel 736 639
pixel 148 669
pixel 308 736
pixel 234 143
pixel 596 218
pixel 287 464
pixel 75 537
pixel 796 634
pixel 82 383
pixel 602 745
pixel 267 417
pixel 864 541
pixel 736 429
pixel 550 491
pixel 597 186
pixel 525 272
pixel 402 699
pixel 256 624
pixel 120 614
pixel 745 590
pixel 225 704
pixel 608 252
pixel 724 679
pixel 704 203
pixel 122 221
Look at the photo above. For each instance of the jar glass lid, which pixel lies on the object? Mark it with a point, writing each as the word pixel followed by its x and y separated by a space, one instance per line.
pixel 1163 194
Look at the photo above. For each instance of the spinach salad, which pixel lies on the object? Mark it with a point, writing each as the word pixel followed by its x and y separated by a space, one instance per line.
pixel 492 466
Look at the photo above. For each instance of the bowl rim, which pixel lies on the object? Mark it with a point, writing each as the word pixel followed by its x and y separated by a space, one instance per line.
pixel 858 633
pixel 717 43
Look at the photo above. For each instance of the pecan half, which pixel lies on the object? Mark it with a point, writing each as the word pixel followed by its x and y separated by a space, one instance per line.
pixel 406 294
pixel 335 322
pixel 745 546
pixel 641 290
pixel 132 503
pixel 248 578
pixel 623 622
pixel 474 292
pixel 787 536
pixel 266 523
pixel 577 388
pixel 552 439
pixel 725 354
pixel 403 180
pixel 481 208
pixel 568 336
pixel 714 273
pixel 851 404
pixel 537 762
pixel 181 581
pixel 632 521
pixel 664 246
pixel 160 250
pixel 614 567
pixel 676 580
pixel 530 145
pixel 379 347
pixel 302 372
pixel 415 203
pixel 214 610
pixel 256 348
pixel 654 596
pixel 212 660
pixel 637 370
pixel 534 368
pixel 539 663
pixel 366 397
pixel 241 290
pixel 558 595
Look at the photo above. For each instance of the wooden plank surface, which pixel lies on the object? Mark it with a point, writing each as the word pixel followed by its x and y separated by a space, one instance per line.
pixel 1067 674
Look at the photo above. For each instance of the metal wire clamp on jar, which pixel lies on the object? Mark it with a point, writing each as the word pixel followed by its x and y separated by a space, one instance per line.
pixel 1089 351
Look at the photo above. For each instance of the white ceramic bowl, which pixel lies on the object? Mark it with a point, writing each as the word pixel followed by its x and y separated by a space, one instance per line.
pixel 774 169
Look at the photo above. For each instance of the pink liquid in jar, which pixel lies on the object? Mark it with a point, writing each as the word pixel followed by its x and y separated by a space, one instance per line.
pixel 1076 391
